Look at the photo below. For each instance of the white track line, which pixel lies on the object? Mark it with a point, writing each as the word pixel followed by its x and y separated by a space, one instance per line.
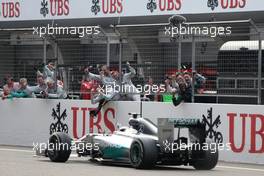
pixel 28 151
pixel 241 168
pixel 15 150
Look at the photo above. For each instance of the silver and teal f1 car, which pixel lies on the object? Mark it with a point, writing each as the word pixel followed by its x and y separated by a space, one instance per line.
pixel 142 144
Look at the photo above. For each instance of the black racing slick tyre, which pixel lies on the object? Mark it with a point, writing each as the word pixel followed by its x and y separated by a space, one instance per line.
pixel 208 160
pixel 143 153
pixel 59 147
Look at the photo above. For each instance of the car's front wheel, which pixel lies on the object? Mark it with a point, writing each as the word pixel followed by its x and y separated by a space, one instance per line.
pixel 59 147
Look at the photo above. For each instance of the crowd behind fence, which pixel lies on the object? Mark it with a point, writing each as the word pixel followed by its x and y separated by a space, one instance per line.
pixel 231 72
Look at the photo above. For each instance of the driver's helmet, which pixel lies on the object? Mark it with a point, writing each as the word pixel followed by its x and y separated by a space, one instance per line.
pixel 134 123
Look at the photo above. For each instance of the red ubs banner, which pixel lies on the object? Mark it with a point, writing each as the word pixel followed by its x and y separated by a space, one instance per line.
pixel 254 133
pixel 103 121
pixel 176 5
pixel 55 8
pixel 107 7
pixel 10 9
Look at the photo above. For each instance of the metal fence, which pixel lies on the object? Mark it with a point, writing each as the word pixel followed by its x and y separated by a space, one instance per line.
pixel 232 64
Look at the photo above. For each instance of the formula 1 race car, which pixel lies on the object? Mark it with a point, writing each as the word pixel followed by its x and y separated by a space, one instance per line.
pixel 142 145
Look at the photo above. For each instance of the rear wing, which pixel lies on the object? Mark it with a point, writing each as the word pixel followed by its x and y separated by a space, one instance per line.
pixel 184 122
pixel 166 126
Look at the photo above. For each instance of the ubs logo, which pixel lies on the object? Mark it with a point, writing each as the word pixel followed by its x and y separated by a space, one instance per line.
pixel 152 5
pixel 212 126
pixel 95 7
pixel 212 4
pixel 59 116
pixel 107 6
pixel 164 5
pixel 55 7
pixel 226 4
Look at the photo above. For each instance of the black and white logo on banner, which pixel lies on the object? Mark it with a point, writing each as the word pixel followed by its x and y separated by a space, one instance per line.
pixel 44 10
pixel 60 117
pixel 212 126
pixel 212 4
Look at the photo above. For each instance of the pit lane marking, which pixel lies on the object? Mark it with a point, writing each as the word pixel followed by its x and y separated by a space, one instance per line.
pixel 240 168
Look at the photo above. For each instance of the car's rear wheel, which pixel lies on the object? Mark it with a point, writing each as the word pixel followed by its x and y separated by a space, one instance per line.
pixel 208 158
pixel 143 154
pixel 59 147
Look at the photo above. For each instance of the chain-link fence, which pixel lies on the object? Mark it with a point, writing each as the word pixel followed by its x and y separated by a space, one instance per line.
pixel 230 63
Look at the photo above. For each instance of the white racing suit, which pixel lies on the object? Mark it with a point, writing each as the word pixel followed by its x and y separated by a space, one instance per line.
pixel 49 73
pixel 130 92
pixel 109 92
pixel 56 93
pixel 106 94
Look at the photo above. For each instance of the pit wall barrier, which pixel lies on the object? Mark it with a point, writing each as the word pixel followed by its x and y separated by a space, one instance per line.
pixel 25 122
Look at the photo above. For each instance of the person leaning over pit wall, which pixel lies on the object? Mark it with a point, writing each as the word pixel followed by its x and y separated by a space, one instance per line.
pixel 54 92
pixel 40 87
pixel 11 84
pixel 150 95
pixel 183 95
pixel 185 82
pixel 199 83
pixel 169 89
pixel 88 88
pixel 6 94
pixel 25 91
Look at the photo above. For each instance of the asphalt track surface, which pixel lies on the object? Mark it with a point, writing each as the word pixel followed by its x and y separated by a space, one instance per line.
pixel 20 161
